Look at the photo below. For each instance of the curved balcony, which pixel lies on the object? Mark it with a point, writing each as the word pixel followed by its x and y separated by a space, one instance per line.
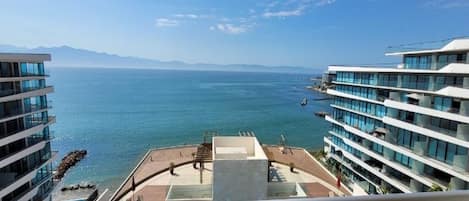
pixel 25 133
pixel 405 170
pixel 24 78
pixel 345 95
pixel 23 153
pixel 428 130
pixel 456 172
pixel 24 94
pixel 426 111
pixel 22 179
pixel 394 182
pixel 23 114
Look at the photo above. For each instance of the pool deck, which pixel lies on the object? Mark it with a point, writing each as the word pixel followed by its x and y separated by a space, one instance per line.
pixel 151 176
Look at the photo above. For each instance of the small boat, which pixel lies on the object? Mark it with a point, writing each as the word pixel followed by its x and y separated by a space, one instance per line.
pixel 304 102
pixel 321 114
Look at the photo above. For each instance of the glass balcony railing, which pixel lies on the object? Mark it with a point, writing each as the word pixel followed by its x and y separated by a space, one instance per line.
pixel 38 197
pixel 11 112
pixel 419 46
pixel 11 177
pixel 9 92
pixel 33 140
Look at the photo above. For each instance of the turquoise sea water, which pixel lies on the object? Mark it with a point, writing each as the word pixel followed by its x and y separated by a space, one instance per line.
pixel 118 114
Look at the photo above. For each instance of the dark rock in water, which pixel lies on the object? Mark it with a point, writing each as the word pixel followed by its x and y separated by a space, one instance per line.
pixel 69 161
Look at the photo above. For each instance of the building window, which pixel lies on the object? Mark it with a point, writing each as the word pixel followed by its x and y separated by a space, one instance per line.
pixel 32 69
pixel 402 159
pixel 446 59
pixel 444 151
pixel 418 62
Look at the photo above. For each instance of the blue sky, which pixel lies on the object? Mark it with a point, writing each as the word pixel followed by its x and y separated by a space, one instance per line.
pixel 270 32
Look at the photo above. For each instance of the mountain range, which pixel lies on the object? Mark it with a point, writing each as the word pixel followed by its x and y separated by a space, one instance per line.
pixel 65 56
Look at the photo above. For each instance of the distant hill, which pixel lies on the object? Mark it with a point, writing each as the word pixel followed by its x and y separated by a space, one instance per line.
pixel 65 56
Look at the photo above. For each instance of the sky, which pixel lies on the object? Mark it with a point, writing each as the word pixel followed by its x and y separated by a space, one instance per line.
pixel 311 33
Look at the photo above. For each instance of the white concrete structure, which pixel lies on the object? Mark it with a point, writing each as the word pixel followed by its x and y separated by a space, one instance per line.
pixel 240 169
pixel 25 153
pixel 404 129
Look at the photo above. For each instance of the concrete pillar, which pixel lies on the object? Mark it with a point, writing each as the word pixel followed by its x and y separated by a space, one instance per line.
pixel 417 167
pixel 456 184
pixel 434 65
pixel 366 143
pixel 420 147
pixel 396 96
pixel 399 81
pixel 388 153
pixel 391 136
pixel 373 79
pixel 365 157
pixel 425 101
pixel 431 83
pixel 463 132
pixel 461 162
pixel 465 82
pixel 464 109
pixel 393 113
pixel 422 120
pixel 415 186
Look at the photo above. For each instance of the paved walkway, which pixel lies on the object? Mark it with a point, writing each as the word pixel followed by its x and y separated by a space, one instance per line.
pixel 156 162
pixel 304 161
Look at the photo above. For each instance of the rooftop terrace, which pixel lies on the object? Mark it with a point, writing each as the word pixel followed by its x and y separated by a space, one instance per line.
pixel 152 179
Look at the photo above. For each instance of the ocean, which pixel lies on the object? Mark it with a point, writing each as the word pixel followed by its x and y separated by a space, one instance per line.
pixel 118 114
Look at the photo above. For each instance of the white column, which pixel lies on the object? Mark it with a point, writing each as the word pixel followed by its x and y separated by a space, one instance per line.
pixel 463 132
pixel 388 153
pixel 460 162
pixel 417 167
pixel 394 95
pixel 456 184
pixel 415 186
pixel 420 147
pixel 464 108
pixel 434 65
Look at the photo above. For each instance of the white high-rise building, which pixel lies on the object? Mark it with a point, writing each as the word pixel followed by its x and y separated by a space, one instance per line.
pixel 403 129
pixel 25 152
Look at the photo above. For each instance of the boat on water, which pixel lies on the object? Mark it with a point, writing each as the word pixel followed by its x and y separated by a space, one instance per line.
pixel 304 102
pixel 321 114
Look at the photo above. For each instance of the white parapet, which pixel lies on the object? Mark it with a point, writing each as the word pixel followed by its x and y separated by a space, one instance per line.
pixel 240 169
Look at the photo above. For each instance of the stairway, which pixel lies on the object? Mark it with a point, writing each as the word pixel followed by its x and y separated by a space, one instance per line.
pixel 204 152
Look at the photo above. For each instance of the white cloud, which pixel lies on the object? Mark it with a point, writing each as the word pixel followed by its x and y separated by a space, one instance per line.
pixel 190 16
pixel 292 7
pixel 324 2
pixel 165 22
pixel 242 24
pixel 230 28
pixel 287 13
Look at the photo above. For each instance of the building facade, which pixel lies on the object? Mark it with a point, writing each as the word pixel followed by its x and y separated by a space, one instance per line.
pixel 25 152
pixel 404 129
